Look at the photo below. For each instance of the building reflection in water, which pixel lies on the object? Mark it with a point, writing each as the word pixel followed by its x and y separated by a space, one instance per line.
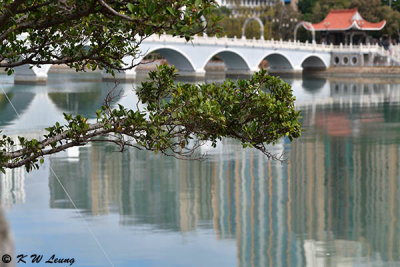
pixel 12 187
pixel 346 187
pixel 335 202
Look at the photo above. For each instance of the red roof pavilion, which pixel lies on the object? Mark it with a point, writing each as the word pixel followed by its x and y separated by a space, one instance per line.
pixel 342 20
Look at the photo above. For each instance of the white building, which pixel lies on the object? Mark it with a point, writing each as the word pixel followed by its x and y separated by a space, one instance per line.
pixel 255 3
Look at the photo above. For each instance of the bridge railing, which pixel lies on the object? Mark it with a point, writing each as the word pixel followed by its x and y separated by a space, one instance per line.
pixel 290 45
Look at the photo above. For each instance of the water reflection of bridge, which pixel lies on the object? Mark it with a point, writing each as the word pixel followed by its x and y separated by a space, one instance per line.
pixel 41 105
pixel 343 95
pixel 40 102
pixel 365 93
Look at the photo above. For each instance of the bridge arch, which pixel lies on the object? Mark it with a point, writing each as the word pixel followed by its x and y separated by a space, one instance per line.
pixel 247 22
pixel 235 63
pixel 315 62
pixel 278 61
pixel 174 57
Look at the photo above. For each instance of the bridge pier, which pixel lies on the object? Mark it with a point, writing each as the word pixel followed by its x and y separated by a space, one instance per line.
pixel 295 70
pixel 28 74
pixel 240 72
pixel 128 75
pixel 298 69
pixel 199 73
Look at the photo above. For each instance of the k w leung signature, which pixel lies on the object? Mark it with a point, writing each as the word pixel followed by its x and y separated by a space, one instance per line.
pixel 37 258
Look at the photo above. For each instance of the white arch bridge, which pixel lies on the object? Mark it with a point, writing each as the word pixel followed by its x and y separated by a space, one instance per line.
pixel 241 56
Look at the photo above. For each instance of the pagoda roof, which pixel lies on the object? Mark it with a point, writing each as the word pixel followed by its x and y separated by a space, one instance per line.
pixel 342 20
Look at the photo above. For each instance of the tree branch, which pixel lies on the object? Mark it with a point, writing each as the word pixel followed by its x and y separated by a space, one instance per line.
pixel 114 12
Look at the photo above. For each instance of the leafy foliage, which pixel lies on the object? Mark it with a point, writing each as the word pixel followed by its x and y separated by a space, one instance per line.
pixel 278 20
pixel 177 119
pixel 91 33
pixel 395 4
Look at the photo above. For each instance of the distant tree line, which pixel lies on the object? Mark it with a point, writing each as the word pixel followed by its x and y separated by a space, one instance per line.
pixel 279 21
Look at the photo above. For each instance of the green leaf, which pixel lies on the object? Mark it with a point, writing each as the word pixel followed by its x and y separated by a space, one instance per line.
pixel 170 10
pixel 130 7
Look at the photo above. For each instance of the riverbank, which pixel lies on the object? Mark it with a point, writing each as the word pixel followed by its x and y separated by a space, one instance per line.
pixel 218 67
pixel 357 72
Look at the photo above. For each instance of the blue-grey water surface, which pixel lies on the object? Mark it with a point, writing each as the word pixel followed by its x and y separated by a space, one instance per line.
pixel 335 202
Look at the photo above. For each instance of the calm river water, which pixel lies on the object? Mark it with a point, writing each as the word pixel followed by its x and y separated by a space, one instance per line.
pixel 335 202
